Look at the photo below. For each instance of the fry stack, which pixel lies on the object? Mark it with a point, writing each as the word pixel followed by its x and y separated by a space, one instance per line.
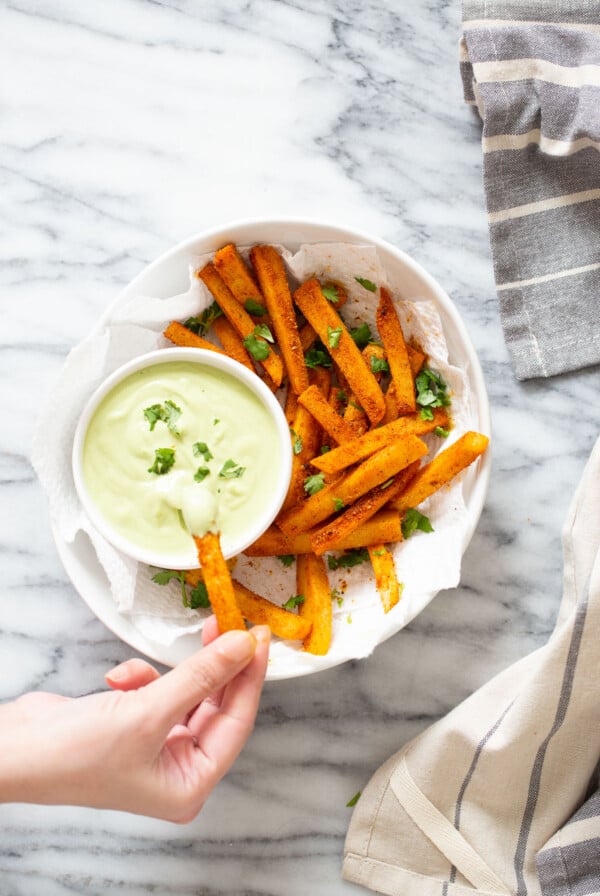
pixel 358 407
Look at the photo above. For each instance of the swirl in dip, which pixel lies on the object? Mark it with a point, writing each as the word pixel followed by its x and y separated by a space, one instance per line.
pixel 180 448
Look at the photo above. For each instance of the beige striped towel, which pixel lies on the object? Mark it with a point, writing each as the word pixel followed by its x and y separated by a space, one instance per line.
pixel 532 67
pixel 501 796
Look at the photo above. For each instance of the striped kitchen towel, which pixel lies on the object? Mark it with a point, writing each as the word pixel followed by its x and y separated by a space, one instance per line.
pixel 532 68
pixel 501 796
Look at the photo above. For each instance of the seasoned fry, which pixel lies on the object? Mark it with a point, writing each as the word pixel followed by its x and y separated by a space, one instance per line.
pixel 326 321
pixel 391 404
pixel 386 579
pixel 239 318
pixel 383 527
pixel 444 467
pixel 272 278
pixel 217 579
pixel 232 343
pixel 180 335
pixel 351 452
pixel 341 528
pixel 321 378
pixel 350 486
pixel 355 417
pixel 307 336
pixel 315 402
pixel 291 406
pixel 235 274
pixel 307 432
pixel 373 353
pixel 312 583
pixel 259 611
pixel 416 358
pixel 396 351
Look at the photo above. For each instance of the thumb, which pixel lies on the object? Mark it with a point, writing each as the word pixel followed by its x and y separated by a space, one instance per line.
pixel 177 693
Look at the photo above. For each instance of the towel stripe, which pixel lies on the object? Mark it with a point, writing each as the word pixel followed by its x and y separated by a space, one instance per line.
pixel 503 142
pixel 543 205
pixel 539 69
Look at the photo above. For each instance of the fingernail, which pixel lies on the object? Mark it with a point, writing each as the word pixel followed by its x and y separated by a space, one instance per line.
pixel 262 633
pixel 118 673
pixel 236 646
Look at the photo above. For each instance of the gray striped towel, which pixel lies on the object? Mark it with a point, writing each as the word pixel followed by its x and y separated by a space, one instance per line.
pixel 501 796
pixel 532 67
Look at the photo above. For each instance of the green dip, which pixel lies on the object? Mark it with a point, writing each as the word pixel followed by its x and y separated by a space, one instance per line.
pixel 235 439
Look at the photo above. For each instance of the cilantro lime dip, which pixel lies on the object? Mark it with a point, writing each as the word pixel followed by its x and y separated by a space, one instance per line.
pixel 180 448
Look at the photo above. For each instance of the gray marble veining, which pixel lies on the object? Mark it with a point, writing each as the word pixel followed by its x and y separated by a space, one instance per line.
pixel 127 126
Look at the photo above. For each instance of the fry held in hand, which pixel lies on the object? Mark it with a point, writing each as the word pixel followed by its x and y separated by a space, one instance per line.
pixel 219 585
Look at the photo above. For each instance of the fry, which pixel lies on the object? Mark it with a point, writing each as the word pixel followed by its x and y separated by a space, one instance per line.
pixel 217 579
pixel 444 467
pixel 270 271
pixel 396 351
pixel 416 359
pixel 340 529
pixel 355 417
pixel 325 319
pixel 239 318
pixel 291 406
pixel 386 579
pixel 308 433
pixel 376 469
pixel 307 336
pixel 180 335
pixel 351 452
pixel 383 527
pixel 232 269
pixel 312 583
pixel 232 343
pixel 259 611
pixel 313 400
pixel 391 404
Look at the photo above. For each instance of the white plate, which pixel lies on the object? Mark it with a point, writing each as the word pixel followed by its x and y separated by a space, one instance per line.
pixel 169 275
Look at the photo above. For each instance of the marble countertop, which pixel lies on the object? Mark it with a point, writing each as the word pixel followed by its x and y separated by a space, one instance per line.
pixel 128 126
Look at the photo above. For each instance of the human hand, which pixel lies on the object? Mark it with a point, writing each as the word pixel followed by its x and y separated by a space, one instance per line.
pixel 156 745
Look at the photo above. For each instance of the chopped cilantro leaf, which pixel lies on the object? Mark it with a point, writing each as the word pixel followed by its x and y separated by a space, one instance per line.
pixel 379 365
pixel 199 597
pixel 441 432
pixel 338 504
pixel 348 559
pixel 379 553
pixel 164 576
pixel 414 520
pixel 231 470
pixel 341 395
pixel 164 458
pixel 386 484
pixel 325 449
pixel 432 392
pixel 366 284
pixel 354 799
pixel 296 441
pixel 255 308
pixel 293 602
pixel 200 325
pixel 168 412
pixel 314 484
pixel 286 559
pixel 317 356
pixel 255 342
pixel 201 474
pixel 361 335
pixel 333 336
pixel 331 293
pixel 201 449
